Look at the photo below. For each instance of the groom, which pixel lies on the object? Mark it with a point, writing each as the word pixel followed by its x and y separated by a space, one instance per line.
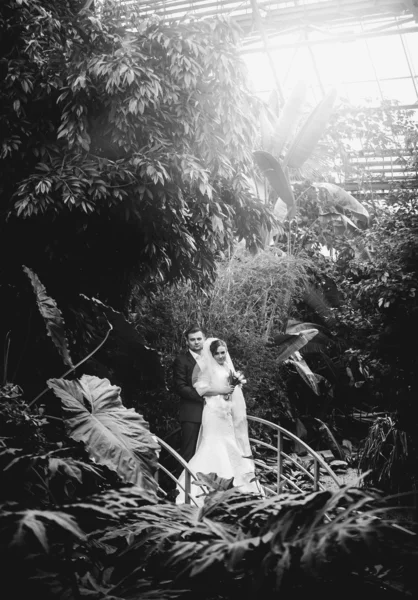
pixel 191 403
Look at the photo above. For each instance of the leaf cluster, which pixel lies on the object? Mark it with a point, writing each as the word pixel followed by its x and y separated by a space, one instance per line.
pixel 125 147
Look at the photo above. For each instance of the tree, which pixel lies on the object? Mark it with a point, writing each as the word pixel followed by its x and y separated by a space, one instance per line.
pixel 125 150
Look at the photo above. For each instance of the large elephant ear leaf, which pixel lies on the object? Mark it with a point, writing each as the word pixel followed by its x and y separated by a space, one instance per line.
pixel 311 131
pixel 341 197
pixel 272 170
pixel 52 316
pixel 113 435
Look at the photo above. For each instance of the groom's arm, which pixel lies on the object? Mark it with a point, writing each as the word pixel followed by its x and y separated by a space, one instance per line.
pixel 181 382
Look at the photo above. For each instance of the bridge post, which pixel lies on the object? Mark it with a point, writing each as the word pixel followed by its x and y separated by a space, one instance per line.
pixel 187 486
pixel 316 476
pixel 279 459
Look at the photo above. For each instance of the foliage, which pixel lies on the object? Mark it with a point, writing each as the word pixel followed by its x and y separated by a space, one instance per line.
pixel 70 528
pixel 124 150
pixel 241 547
pixel 384 289
pixel 52 317
pixel 293 153
pixel 377 315
pixel 113 435
pixel 386 457
pixel 245 307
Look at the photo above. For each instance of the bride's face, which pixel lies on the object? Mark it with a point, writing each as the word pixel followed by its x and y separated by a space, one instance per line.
pixel 220 355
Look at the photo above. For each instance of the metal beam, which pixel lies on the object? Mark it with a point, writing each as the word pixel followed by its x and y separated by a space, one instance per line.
pixel 334 40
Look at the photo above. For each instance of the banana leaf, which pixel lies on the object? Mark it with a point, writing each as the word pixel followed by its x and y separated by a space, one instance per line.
pixel 341 197
pixel 306 373
pixel 320 342
pixel 291 114
pixel 338 219
pixel 266 130
pixel 289 343
pixel 310 133
pixel 272 170
pixel 280 209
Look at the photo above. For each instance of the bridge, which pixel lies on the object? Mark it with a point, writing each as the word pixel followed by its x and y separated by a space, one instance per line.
pixel 273 468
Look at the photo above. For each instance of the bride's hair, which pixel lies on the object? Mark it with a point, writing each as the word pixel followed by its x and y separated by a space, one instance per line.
pixel 215 345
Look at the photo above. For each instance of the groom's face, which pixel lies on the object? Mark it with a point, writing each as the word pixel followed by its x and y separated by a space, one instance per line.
pixel 195 341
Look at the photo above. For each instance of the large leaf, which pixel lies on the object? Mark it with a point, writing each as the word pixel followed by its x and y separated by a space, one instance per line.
pixel 342 198
pixel 258 188
pixel 280 209
pixel 266 130
pixel 214 482
pixel 53 318
pixel 271 168
pixel 289 343
pixel 311 132
pixel 290 117
pixel 113 435
pixel 321 340
pixel 329 436
pixel 339 221
pixel 306 373
pixel 35 520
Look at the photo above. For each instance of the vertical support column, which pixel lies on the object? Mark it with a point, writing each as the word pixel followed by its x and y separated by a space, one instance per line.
pixel 187 487
pixel 279 460
pixel 316 476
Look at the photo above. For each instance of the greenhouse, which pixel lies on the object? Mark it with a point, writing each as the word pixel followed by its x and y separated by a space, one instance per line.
pixel 209 284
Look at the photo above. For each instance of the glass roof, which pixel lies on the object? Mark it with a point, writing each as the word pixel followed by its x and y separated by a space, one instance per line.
pixel 368 48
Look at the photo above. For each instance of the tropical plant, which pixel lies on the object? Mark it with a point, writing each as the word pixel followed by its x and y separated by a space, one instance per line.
pixel 70 527
pixel 241 547
pixel 283 153
pixel 385 456
pixel 125 147
pixel 114 436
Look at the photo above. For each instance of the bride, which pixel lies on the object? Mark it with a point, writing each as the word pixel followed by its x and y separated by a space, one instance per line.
pixel 223 446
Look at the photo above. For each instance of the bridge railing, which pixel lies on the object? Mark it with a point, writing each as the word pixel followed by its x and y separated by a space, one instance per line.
pixel 281 456
pixel 283 433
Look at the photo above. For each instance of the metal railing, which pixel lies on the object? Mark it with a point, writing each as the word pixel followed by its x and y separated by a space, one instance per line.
pixel 281 456
pixel 281 434
pixel 188 474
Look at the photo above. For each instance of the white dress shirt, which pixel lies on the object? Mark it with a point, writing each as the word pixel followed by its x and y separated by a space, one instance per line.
pixel 197 358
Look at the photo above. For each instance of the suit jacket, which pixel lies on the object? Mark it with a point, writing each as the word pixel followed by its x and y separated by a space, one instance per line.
pixel 191 403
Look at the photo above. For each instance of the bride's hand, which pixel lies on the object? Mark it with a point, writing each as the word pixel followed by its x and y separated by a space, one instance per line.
pixel 221 391
pixel 228 389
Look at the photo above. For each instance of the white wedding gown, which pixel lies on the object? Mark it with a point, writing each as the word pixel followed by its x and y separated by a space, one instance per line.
pixel 223 446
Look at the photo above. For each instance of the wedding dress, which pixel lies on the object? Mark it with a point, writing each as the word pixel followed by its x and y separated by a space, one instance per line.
pixel 223 446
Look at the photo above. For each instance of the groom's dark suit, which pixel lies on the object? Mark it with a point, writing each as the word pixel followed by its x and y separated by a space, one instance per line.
pixel 191 404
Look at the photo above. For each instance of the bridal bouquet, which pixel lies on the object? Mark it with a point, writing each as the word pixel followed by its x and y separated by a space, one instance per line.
pixel 236 378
